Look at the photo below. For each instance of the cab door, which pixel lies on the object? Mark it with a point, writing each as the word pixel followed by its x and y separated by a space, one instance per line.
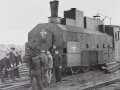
pixel 93 58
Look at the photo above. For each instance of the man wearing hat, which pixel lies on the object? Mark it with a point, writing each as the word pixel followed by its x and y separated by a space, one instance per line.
pixel 44 58
pixel 53 49
pixel 49 67
pixel 2 69
pixel 18 60
pixel 12 62
pixel 12 56
pixel 7 64
pixel 36 69
pixel 58 66
pixel 4 66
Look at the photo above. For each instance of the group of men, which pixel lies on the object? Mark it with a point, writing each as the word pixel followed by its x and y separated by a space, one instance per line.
pixel 9 65
pixel 42 66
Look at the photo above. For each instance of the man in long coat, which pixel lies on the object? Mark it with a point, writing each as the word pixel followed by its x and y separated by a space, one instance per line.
pixel 36 69
pixel 50 67
pixel 57 65
pixel 3 67
pixel 12 63
pixel 18 60
pixel 7 64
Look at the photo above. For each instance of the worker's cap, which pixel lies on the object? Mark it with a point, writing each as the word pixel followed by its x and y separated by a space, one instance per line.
pixel 16 52
pixel 7 54
pixel 42 51
pixel 12 48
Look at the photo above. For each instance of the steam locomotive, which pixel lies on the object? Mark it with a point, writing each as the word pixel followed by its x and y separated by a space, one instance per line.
pixel 82 41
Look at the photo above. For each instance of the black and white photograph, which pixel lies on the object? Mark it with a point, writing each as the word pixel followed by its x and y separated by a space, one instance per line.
pixel 59 45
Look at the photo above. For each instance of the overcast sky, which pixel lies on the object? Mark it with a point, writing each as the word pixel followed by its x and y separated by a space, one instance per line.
pixel 18 17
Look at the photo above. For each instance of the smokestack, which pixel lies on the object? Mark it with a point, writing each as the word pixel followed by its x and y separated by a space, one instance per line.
pixel 54 12
pixel 54 8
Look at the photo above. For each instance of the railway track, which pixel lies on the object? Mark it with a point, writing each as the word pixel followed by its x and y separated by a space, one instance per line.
pixel 22 82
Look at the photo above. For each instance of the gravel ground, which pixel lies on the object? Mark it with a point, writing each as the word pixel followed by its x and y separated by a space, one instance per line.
pixel 82 80
pixel 115 86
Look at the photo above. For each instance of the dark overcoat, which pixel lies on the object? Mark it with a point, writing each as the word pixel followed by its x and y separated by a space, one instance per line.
pixel 57 60
pixel 12 58
pixel 18 60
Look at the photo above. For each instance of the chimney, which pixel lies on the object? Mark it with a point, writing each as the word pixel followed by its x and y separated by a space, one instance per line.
pixel 54 12
pixel 54 8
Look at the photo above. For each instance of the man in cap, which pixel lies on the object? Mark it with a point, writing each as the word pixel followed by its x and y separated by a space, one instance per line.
pixel 3 68
pixel 12 56
pixel 57 65
pixel 48 70
pixel 17 63
pixel 52 50
pixel 19 59
pixel 12 62
pixel 44 58
pixel 7 64
pixel 2 71
pixel 36 69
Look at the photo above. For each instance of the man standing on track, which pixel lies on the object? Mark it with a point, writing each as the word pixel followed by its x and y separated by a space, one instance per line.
pixel 57 65
pixel 12 63
pixel 37 63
